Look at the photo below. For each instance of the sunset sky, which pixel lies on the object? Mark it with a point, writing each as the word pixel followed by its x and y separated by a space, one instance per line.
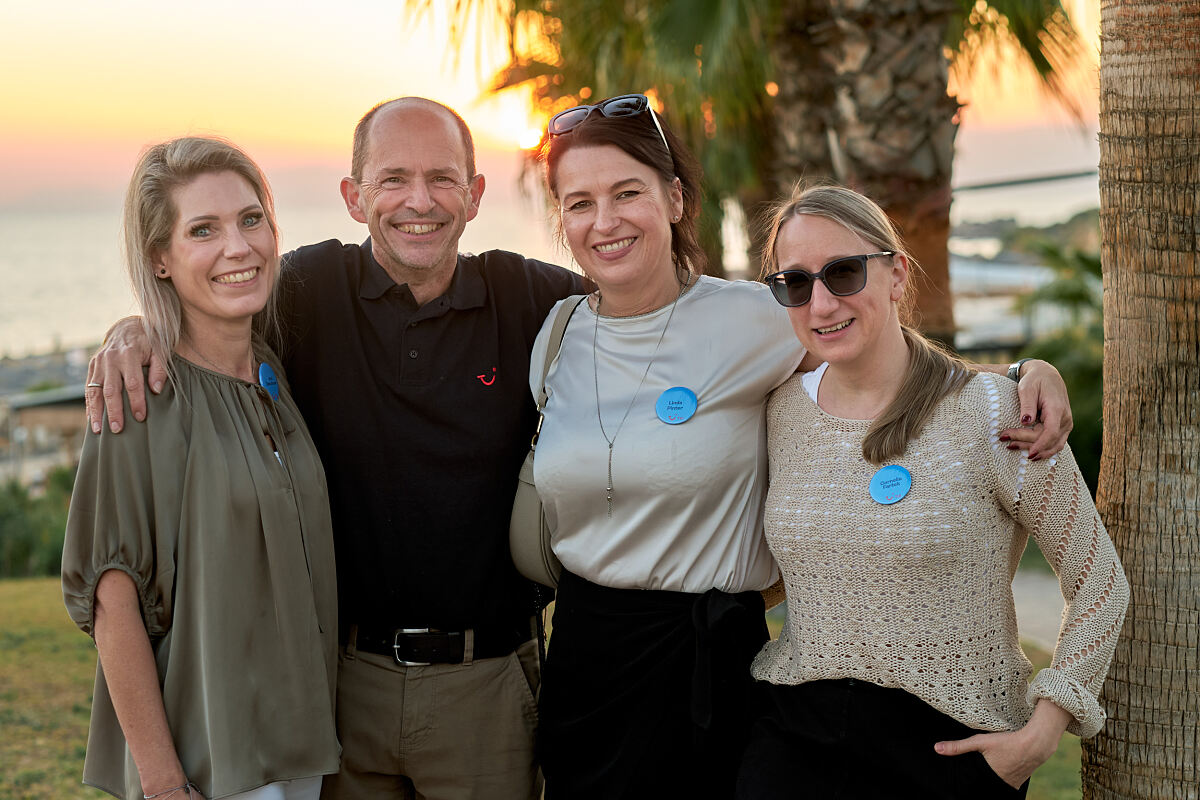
pixel 87 84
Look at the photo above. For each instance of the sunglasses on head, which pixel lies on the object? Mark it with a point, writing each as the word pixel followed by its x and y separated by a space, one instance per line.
pixel 625 105
pixel 842 277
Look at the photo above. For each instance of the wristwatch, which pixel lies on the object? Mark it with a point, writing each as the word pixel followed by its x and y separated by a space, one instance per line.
pixel 1014 369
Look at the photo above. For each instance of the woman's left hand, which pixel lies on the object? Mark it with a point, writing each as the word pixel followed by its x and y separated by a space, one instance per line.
pixel 1045 411
pixel 1007 754
pixel 1014 755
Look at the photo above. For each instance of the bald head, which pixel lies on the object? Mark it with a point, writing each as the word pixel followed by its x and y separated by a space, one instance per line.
pixel 362 132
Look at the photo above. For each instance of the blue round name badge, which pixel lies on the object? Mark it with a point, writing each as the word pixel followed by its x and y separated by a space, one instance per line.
pixel 267 380
pixel 676 405
pixel 890 484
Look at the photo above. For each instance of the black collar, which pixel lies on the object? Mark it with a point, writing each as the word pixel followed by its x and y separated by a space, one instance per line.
pixel 467 288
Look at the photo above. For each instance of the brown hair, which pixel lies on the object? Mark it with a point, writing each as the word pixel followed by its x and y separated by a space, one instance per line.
pixel 637 137
pixel 933 372
pixel 362 133
pixel 149 220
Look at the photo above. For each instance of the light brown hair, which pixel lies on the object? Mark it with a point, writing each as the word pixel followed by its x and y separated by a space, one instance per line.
pixel 149 220
pixel 933 372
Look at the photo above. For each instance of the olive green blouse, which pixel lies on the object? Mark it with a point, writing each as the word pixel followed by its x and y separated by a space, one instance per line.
pixel 231 549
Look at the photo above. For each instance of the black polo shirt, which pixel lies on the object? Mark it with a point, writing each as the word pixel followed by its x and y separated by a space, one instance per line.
pixel 422 416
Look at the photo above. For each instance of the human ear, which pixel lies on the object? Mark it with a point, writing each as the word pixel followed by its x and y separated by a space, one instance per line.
pixel 900 272
pixel 675 194
pixel 161 271
pixel 475 189
pixel 352 195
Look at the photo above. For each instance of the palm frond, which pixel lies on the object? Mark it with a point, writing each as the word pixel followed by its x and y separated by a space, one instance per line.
pixel 1041 30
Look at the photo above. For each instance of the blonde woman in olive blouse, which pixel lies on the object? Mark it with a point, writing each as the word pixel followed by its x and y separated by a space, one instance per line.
pixel 199 550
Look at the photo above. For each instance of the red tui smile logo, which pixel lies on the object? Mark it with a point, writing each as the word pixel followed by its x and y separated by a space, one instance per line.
pixel 487 380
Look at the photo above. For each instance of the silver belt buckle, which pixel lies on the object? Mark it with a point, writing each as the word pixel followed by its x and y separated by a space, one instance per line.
pixel 396 648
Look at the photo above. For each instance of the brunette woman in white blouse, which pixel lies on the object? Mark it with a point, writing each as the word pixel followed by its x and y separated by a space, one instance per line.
pixel 897 515
pixel 652 468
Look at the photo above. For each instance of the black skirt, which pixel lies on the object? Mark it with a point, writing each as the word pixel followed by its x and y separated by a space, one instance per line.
pixel 646 693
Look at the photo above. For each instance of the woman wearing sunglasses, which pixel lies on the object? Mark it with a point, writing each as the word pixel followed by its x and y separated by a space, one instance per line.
pixel 199 549
pixel 897 516
pixel 651 466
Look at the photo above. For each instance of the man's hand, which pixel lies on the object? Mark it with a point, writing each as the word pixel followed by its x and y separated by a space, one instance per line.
pixel 1045 412
pixel 116 367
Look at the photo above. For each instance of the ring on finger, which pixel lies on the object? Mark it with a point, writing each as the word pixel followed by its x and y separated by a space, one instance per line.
pixel 95 386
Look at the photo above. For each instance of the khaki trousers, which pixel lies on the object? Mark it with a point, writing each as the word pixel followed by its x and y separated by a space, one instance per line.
pixel 440 732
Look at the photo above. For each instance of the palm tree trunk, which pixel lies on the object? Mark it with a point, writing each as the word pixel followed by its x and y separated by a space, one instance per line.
pixel 805 93
pixel 1150 468
pixel 892 127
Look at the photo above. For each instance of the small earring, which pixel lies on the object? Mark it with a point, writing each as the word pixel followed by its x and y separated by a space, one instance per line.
pixel 163 272
pixel 676 218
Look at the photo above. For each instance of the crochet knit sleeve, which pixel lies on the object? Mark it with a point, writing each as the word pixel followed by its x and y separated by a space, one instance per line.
pixel 1050 500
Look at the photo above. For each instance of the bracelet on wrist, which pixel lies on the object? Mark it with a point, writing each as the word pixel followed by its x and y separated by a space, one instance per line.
pixel 1014 369
pixel 166 793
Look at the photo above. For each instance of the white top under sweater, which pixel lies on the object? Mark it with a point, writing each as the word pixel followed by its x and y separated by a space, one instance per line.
pixel 918 595
pixel 687 498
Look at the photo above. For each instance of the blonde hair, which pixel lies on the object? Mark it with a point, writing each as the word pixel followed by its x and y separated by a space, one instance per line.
pixel 933 372
pixel 149 220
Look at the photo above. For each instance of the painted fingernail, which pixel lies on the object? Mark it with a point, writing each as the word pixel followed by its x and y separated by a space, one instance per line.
pixel 1013 447
pixel 1025 420
pixel 1003 438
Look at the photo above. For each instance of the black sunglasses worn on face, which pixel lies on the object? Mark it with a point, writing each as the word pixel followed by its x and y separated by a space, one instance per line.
pixel 842 277
pixel 625 105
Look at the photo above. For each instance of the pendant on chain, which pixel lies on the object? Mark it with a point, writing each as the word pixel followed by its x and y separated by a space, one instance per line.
pixel 610 486
pixel 645 372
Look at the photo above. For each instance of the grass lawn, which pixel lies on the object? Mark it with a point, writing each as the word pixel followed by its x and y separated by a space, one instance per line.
pixel 47 667
pixel 46 671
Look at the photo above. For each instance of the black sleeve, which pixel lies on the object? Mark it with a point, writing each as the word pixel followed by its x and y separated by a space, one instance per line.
pixel 306 274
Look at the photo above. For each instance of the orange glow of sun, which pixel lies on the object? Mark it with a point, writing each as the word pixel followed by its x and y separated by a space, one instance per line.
pixel 530 139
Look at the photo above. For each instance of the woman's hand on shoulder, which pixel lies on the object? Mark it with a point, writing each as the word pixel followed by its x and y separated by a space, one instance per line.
pixel 1014 755
pixel 1045 411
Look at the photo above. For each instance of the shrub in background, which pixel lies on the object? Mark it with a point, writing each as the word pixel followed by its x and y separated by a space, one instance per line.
pixel 32 525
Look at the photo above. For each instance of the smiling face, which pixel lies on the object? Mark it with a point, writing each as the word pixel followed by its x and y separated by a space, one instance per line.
pixel 841 330
pixel 221 258
pixel 616 216
pixel 415 193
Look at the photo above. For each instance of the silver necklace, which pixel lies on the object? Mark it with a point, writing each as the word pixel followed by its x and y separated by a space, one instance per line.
pixel 632 400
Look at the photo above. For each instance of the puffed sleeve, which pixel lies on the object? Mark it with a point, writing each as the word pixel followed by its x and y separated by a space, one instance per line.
pixel 126 484
pixel 1050 500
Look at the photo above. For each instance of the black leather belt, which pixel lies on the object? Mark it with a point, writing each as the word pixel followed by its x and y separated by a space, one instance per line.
pixel 416 647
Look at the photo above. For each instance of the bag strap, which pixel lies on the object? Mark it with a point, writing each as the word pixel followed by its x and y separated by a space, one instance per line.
pixel 557 331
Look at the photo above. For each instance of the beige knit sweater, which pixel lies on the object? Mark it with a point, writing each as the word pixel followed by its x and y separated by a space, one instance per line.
pixel 918 595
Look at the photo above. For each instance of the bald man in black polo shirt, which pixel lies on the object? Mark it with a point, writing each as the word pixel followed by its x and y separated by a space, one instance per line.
pixel 410 363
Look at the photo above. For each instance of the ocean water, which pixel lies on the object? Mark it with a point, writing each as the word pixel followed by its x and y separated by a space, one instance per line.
pixel 64 281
